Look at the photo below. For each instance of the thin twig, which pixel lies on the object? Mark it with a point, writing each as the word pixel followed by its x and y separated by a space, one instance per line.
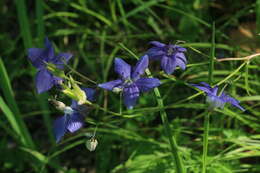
pixel 79 74
pixel 246 58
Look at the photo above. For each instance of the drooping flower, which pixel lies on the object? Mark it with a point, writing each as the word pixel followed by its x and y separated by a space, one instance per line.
pixel 73 118
pixel 131 83
pixel 39 57
pixel 170 55
pixel 216 100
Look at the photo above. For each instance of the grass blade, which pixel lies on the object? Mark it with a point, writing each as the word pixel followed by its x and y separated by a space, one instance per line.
pixel 212 55
pixel 205 142
pixel 258 15
pixel 14 116
pixel 24 23
pixel 92 13
pixel 40 21
pixel 17 125
pixel 207 116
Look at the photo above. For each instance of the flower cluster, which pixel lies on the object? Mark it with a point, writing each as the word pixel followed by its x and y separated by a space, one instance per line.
pixel 131 82
pixel 73 118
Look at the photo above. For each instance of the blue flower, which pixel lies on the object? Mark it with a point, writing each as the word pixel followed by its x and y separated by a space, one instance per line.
pixel 170 56
pixel 39 57
pixel 73 118
pixel 130 81
pixel 214 100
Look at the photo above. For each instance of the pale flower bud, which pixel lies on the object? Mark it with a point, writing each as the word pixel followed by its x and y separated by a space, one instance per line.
pixel 117 90
pixel 91 144
pixel 58 105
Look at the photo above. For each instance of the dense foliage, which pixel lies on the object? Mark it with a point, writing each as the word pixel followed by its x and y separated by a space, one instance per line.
pixel 174 127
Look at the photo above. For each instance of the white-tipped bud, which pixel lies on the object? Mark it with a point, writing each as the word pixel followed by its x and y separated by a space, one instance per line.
pixel 58 105
pixel 117 90
pixel 68 110
pixel 91 144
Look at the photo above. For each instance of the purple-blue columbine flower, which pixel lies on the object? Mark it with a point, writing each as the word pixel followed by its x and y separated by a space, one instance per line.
pixel 73 118
pixel 216 100
pixel 131 82
pixel 39 57
pixel 170 55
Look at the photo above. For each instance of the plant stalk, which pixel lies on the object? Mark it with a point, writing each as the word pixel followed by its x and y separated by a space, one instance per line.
pixel 171 138
pixel 165 121
pixel 205 142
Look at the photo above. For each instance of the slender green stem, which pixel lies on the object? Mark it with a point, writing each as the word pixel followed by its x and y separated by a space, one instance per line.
pixel 103 109
pixel 172 140
pixel 212 55
pixel 120 107
pixel 205 142
pixel 79 74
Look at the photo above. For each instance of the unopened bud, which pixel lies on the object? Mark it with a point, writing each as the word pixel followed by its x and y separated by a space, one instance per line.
pixel 117 90
pixel 58 105
pixel 91 144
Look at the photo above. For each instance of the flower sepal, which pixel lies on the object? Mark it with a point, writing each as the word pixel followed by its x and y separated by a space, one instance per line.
pixel 55 71
pixel 75 92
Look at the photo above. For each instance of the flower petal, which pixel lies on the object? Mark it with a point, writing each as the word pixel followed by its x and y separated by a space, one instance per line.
pixel 181 56
pixel 155 53
pixel 62 58
pixel 74 105
pixel 122 68
pixel 205 84
pixel 36 58
pixel 44 81
pixel 57 80
pixel 130 94
pixel 215 102
pixel 90 92
pixel 59 127
pixel 168 64
pixel 140 67
pixel 157 43
pixel 214 90
pixel 146 84
pixel 110 85
pixel 180 49
pixel 48 51
pixel 75 122
pixel 231 100
pixel 206 88
pixel 180 63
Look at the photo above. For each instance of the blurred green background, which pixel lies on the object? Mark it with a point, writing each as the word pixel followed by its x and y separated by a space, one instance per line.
pixel 94 32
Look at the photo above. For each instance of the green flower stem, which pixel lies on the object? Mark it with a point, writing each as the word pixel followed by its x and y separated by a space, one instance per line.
pixel 79 74
pixel 205 141
pixel 165 121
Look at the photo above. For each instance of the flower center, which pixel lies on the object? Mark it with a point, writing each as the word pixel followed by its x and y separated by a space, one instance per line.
pixel 128 81
pixel 215 102
pixel 170 51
